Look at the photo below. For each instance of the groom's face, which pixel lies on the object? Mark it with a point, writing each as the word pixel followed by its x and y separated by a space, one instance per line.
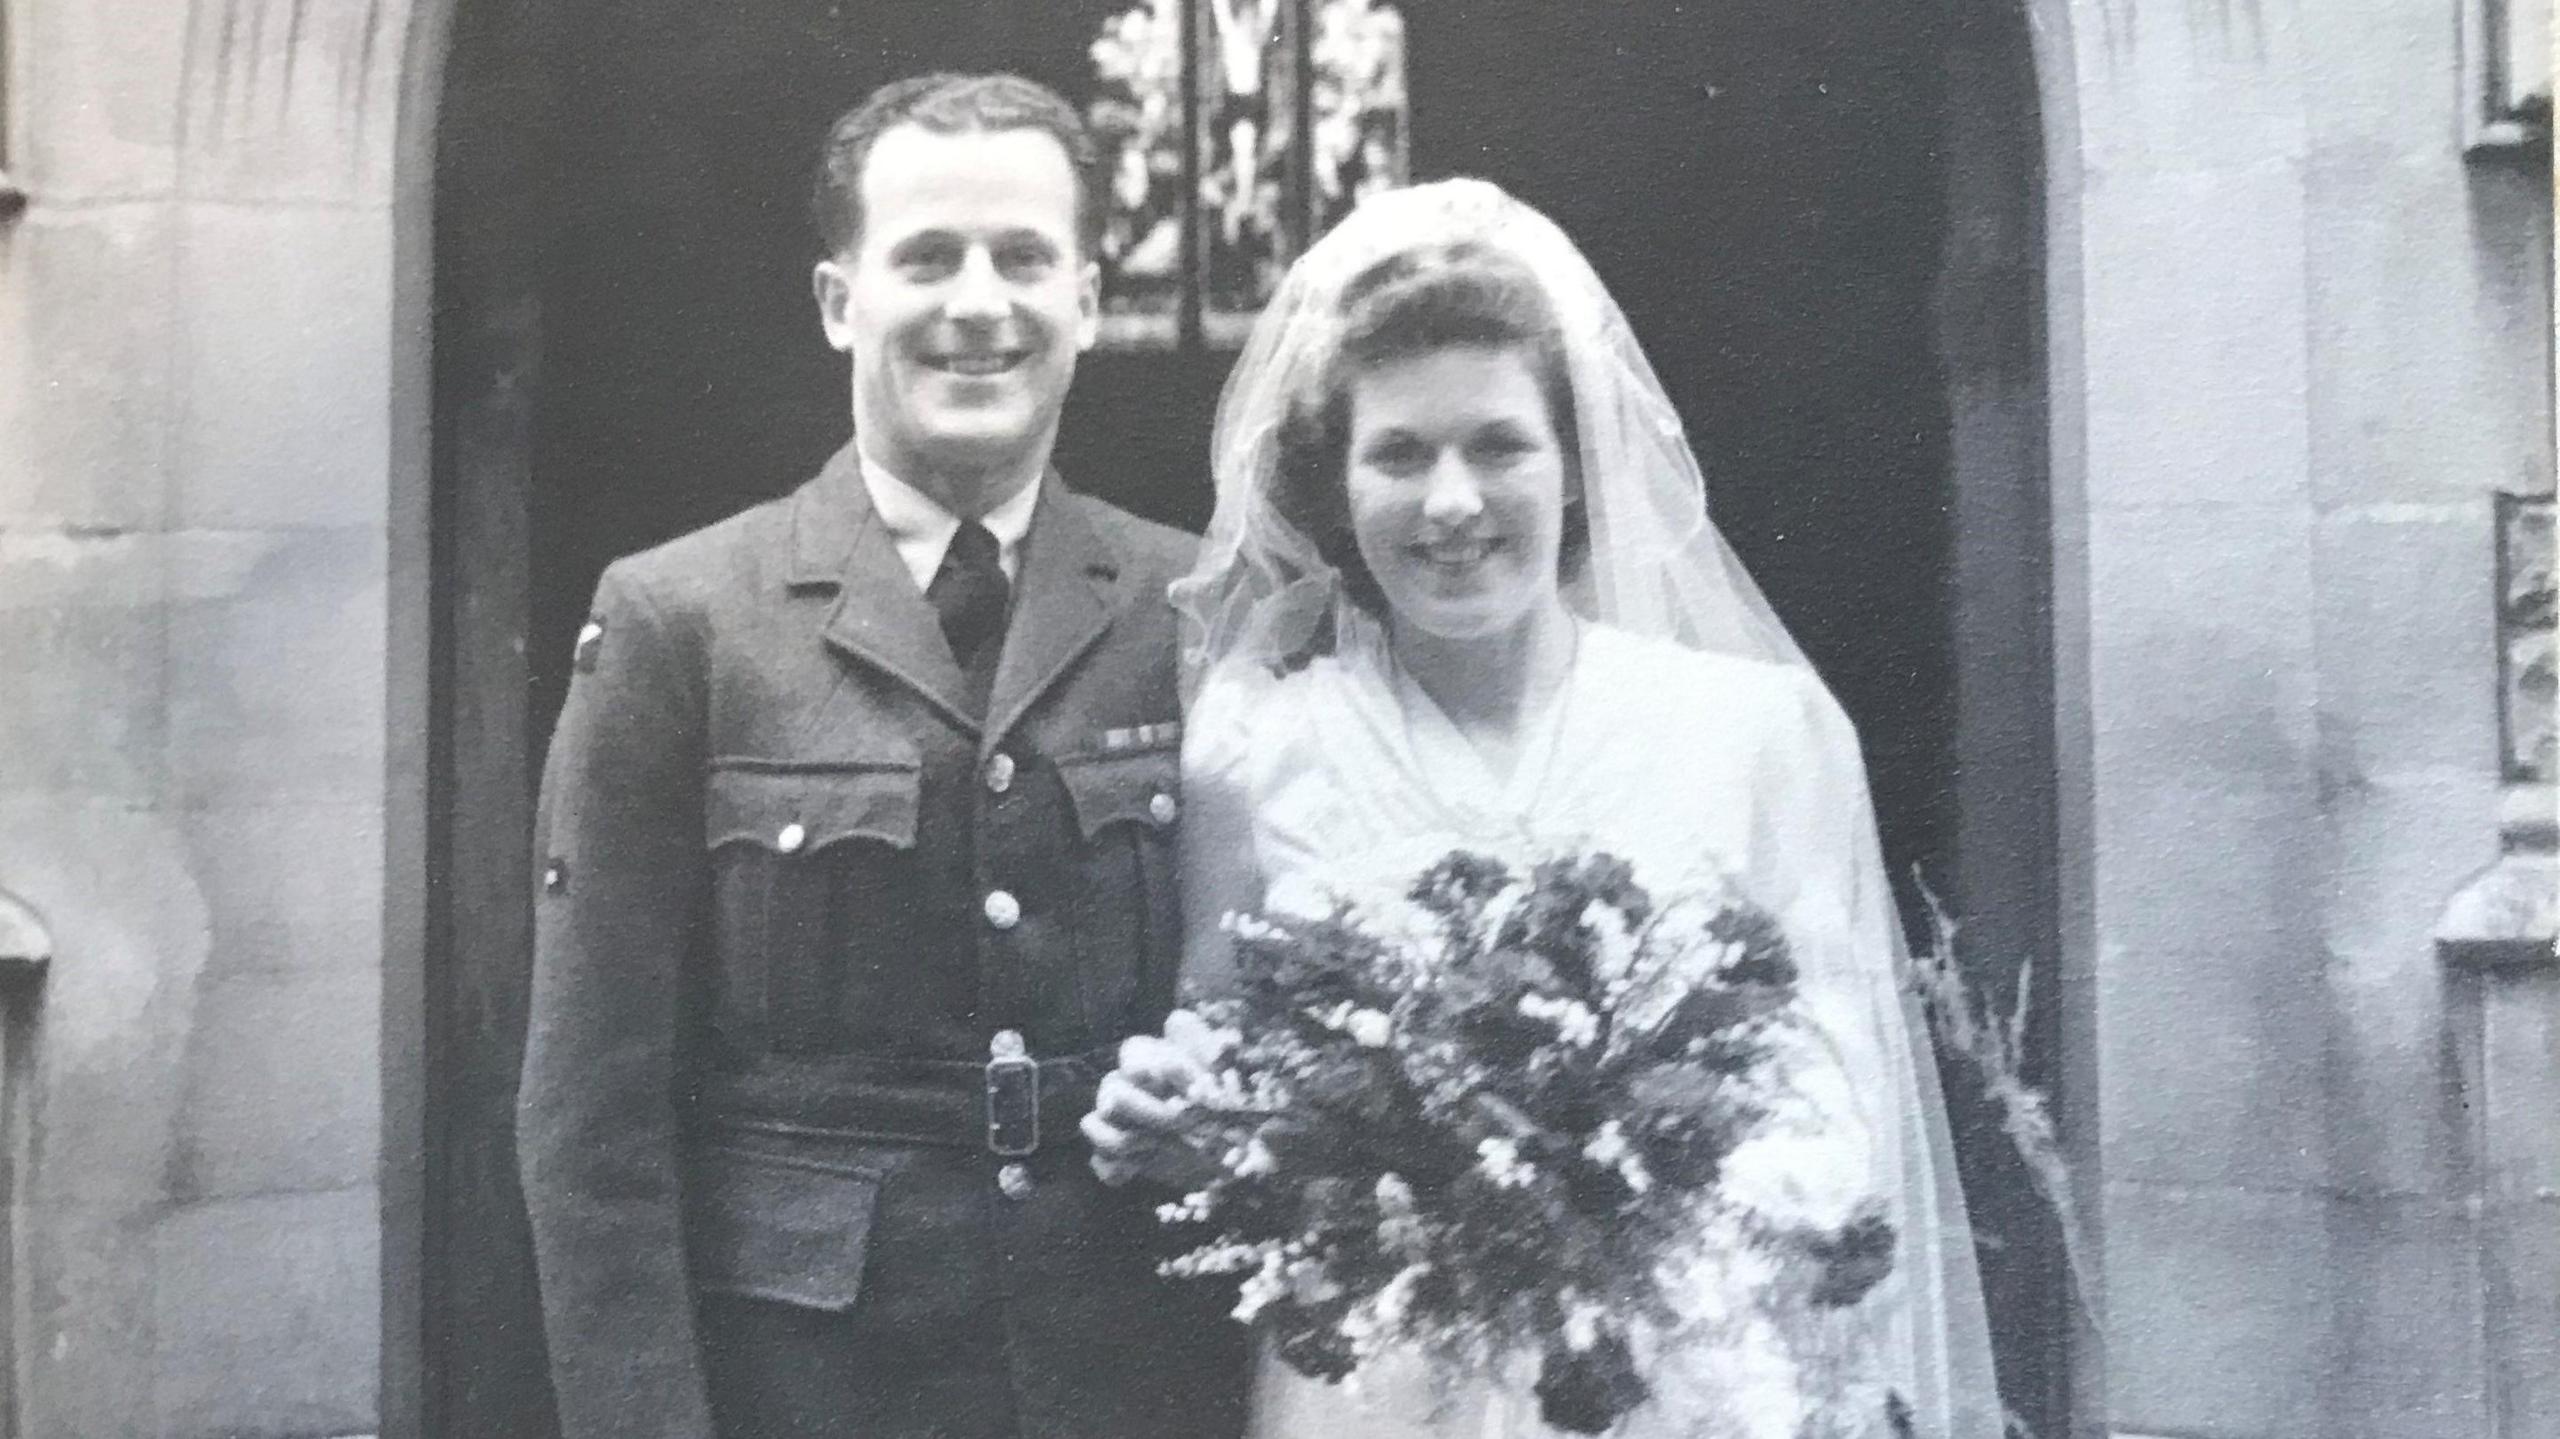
pixel 963 303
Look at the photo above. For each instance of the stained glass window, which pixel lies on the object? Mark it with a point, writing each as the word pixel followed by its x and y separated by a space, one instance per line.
pixel 1233 132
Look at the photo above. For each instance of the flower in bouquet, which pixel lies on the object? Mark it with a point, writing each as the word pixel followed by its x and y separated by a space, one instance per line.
pixel 1487 1116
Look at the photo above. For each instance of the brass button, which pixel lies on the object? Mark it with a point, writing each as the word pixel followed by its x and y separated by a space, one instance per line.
pixel 1014 1180
pixel 1003 910
pixel 1164 807
pixel 999 774
pixel 555 876
pixel 794 835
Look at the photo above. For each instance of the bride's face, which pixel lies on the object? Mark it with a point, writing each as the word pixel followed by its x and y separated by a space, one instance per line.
pixel 1457 486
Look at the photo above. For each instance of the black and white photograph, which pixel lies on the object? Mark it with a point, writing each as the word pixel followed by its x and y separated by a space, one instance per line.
pixel 1278 719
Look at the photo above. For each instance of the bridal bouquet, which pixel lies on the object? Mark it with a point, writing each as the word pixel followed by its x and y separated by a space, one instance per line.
pixel 1495 1117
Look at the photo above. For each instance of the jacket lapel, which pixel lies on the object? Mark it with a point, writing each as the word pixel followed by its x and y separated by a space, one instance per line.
pixel 1064 600
pixel 880 618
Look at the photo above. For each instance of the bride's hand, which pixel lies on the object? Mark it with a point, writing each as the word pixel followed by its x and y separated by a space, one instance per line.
pixel 1136 1126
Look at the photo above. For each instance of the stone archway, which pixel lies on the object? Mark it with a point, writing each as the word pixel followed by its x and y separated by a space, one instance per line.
pixel 459 1355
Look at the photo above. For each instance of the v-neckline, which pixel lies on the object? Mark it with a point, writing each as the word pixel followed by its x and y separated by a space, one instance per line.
pixel 1449 767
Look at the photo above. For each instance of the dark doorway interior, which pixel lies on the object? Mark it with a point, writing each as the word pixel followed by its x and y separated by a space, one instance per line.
pixel 626 349
pixel 1759 182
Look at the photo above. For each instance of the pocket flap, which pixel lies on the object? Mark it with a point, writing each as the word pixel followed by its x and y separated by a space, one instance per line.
pixel 771 1227
pixel 793 808
pixel 1142 788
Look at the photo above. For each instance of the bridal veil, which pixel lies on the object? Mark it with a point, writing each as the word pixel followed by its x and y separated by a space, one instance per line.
pixel 1261 594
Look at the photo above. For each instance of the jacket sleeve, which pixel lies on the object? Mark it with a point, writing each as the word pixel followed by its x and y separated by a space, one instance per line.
pixel 622 883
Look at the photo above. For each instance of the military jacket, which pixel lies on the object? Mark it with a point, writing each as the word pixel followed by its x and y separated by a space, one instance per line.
pixel 785 861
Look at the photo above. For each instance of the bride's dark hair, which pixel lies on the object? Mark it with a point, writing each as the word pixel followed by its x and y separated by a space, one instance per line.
pixel 1418 302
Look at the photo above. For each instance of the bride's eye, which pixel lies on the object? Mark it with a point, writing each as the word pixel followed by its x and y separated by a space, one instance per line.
pixel 1499 448
pixel 1400 455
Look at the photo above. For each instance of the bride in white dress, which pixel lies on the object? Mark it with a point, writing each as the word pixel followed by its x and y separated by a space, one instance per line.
pixel 1461 589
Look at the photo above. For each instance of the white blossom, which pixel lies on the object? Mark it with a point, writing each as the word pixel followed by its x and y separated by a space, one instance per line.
pixel 1227 1257
pixel 1614 949
pixel 1261 1289
pixel 1608 1146
pixel 1575 1023
pixel 1310 1282
pixel 1368 1028
pixel 1246 926
pixel 1499 909
pixel 1500 1160
pixel 1382 1315
pixel 1250 1158
pixel 1582 1324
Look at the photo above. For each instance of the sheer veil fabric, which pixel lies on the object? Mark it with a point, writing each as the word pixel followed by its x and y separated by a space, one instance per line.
pixel 1261 600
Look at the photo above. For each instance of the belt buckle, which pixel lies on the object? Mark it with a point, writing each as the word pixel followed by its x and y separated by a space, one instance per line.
pixel 1013 1096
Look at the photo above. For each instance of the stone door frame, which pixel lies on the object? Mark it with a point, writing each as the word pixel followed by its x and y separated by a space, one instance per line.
pixel 465 332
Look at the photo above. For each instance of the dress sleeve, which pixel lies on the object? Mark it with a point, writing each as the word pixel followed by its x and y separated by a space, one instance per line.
pixel 1221 868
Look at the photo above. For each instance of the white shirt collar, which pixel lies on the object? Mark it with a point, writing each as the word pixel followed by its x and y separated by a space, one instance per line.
pixel 922 528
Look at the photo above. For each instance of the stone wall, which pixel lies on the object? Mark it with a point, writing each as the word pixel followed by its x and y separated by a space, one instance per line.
pixel 194 342
pixel 2315 341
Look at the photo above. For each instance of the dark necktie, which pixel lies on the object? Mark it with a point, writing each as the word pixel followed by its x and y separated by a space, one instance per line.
pixel 969 593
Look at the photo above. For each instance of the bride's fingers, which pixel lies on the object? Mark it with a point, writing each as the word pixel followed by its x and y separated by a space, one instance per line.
pixel 1189 1033
pixel 1108 1139
pixel 1120 1156
pixel 1122 1104
pixel 1114 1171
pixel 1157 1066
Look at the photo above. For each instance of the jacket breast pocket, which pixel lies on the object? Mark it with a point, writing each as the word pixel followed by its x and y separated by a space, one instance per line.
pixel 794 1230
pixel 1128 909
pixel 806 859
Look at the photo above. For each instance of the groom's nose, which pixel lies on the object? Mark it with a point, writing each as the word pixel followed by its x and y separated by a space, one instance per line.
pixel 977 292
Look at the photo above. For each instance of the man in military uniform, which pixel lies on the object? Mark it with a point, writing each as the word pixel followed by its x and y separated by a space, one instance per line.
pixel 857 845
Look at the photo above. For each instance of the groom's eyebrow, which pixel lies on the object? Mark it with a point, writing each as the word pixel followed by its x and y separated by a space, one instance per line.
pixel 1011 237
pixel 1020 237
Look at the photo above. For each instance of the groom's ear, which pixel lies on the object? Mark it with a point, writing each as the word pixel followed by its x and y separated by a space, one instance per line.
pixel 834 291
pixel 1089 306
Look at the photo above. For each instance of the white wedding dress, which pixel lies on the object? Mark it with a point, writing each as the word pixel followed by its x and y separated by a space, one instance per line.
pixel 1691 738
pixel 1685 763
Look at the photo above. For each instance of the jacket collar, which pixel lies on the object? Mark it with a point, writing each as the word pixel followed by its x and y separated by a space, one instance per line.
pixel 1064 598
pixel 1069 590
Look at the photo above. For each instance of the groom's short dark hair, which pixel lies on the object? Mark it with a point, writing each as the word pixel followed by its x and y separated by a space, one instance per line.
pixel 1414 302
pixel 948 104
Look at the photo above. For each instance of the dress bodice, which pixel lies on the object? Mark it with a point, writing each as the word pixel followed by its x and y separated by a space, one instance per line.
pixel 1338 777
pixel 1682 762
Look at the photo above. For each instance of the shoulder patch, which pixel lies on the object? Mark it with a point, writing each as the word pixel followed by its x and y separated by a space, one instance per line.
pixel 590 642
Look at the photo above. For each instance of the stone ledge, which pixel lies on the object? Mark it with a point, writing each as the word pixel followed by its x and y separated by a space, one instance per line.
pixel 26 949
pixel 2503 919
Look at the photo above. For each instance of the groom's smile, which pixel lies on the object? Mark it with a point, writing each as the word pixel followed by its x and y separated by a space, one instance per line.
pixel 979 363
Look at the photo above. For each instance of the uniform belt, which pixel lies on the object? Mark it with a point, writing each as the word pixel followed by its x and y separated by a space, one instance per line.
pixel 1009 1106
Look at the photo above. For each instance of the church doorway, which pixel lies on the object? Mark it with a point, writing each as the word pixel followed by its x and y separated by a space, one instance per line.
pixel 1822 217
